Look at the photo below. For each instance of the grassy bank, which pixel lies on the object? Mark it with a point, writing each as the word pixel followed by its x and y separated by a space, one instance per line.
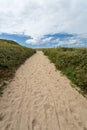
pixel 72 62
pixel 12 55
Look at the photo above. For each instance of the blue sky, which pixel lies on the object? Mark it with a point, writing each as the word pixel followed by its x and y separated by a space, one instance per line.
pixel 50 40
pixel 44 23
pixel 21 39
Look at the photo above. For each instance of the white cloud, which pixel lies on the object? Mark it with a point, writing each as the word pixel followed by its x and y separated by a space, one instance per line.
pixel 33 41
pixel 37 18
pixel 72 41
pixel 75 41
pixel 39 40
pixel 48 39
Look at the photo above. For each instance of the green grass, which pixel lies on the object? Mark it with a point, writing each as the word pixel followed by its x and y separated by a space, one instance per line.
pixel 12 55
pixel 72 62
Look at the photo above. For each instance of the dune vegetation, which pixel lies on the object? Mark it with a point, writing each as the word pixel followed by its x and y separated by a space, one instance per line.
pixel 72 62
pixel 12 55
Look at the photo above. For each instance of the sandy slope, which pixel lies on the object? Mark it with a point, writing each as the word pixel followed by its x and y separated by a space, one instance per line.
pixel 40 98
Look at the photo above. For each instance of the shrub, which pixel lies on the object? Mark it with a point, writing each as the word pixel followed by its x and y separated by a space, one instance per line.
pixel 12 55
pixel 72 62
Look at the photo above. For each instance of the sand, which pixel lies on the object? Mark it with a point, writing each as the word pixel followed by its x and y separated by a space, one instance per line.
pixel 41 98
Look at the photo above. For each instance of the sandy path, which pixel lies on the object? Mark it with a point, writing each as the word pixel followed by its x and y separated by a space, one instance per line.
pixel 40 98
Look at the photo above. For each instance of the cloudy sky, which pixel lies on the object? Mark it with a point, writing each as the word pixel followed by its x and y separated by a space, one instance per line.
pixel 44 23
